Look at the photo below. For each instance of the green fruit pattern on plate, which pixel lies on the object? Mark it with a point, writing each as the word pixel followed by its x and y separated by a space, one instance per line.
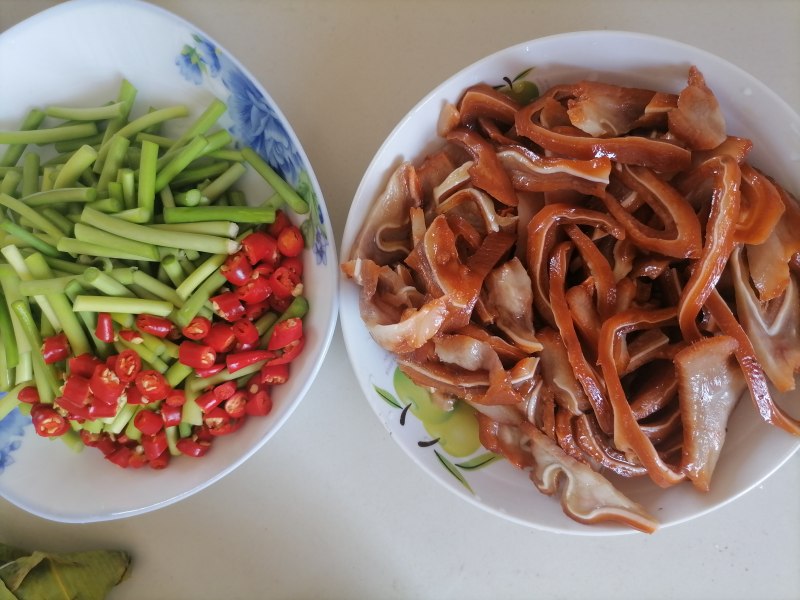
pixel 453 433
pixel 519 89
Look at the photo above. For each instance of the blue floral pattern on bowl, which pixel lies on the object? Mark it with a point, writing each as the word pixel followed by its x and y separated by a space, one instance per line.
pixel 12 430
pixel 256 124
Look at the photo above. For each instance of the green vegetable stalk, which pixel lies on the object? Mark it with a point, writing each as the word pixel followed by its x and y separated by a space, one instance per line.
pixel 122 221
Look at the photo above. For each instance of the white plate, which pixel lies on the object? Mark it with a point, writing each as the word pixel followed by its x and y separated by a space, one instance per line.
pixel 753 450
pixel 77 53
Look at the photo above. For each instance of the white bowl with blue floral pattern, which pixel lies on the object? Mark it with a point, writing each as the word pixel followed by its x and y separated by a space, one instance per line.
pixel 78 53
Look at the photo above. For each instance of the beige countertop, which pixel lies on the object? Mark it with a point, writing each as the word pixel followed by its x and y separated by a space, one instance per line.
pixel 331 507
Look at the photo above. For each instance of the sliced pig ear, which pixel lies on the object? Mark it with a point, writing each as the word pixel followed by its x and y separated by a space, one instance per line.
pixel 385 236
pixel 659 154
pixel 604 110
pixel 478 208
pixel 542 232
pixel 769 261
pixel 393 310
pixel 558 375
pixel 483 101
pixel 598 447
pixel 773 327
pixel 487 172
pixel 586 496
pixel 697 120
pixel 710 384
pixel 509 297
pixel 760 209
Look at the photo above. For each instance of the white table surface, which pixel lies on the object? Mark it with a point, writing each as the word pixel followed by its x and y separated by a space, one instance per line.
pixel 331 507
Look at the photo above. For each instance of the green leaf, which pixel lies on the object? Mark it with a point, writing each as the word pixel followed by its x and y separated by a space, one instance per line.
pixel 15 572
pixel 305 189
pixel 5 593
pixel 453 471
pixel 523 74
pixel 479 461
pixel 307 229
pixel 388 397
pixel 86 575
pixel 9 553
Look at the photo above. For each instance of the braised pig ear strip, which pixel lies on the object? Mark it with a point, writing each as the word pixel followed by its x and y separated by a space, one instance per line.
pixel 600 273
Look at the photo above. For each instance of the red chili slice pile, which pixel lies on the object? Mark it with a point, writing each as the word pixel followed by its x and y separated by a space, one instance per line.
pixel 264 275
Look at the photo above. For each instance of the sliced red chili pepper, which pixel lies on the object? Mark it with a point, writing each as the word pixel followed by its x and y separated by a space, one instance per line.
pixel 239 360
pixel 294 264
pixel 254 311
pixel 236 404
pixel 264 270
pixel 148 422
pixel 290 241
pixel 106 445
pixel 154 445
pixel 285 332
pixel 258 404
pixel 176 398
pixel 197 356
pixel 215 419
pixel 127 365
pixel 137 460
pixel 237 268
pixel 152 384
pixel 193 447
pixel 83 364
pixel 47 421
pixel 90 439
pixel 279 304
pixel 102 410
pixel 245 331
pixel 227 306
pixel 121 456
pixel 160 462
pixel 29 395
pixel 220 337
pixel 240 347
pixel 283 282
pixel 134 395
pixel 212 370
pixel 171 415
pixel 201 434
pixel 227 428
pixel 197 328
pixel 104 330
pixel 76 389
pixel 76 410
pixel 281 221
pixel 208 401
pixel 55 348
pixel 289 353
pixel 105 384
pixel 254 291
pixel 260 247
pixel 225 390
pixel 272 374
pixel 131 335
pixel 154 325
pixel 254 383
